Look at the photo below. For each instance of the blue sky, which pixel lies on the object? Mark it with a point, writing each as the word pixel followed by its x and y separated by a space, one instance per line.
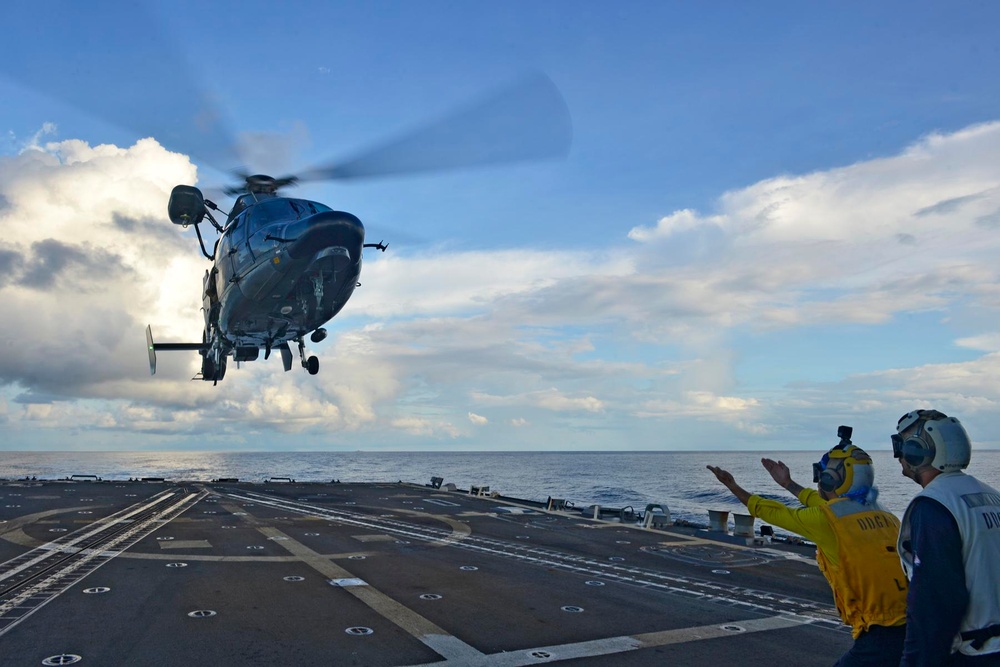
pixel 775 218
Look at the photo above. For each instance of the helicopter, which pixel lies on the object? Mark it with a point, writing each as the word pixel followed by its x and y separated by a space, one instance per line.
pixel 283 267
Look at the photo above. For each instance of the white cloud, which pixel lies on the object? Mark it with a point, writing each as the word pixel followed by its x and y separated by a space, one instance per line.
pixel 579 340
pixel 702 404
pixel 985 342
pixel 420 426
pixel 675 223
pixel 35 141
pixel 857 243
pixel 445 283
pixel 556 400
pixel 550 399
pixel 83 224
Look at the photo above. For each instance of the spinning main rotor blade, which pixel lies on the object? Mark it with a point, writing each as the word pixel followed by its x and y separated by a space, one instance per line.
pixel 526 121
pixel 129 72
pixel 125 71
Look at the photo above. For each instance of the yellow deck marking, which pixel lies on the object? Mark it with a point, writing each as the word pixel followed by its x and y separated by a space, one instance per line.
pixel 435 637
pixel 12 531
pixel 428 633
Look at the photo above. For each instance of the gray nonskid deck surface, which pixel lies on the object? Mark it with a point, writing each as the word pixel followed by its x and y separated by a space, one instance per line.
pixel 383 574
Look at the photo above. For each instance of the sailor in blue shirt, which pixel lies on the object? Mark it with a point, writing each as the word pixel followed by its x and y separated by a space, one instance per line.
pixel 949 546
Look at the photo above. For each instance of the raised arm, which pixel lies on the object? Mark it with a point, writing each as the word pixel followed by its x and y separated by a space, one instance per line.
pixel 729 482
pixel 780 474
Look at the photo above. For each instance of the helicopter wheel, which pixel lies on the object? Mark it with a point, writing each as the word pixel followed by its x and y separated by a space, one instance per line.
pixel 312 365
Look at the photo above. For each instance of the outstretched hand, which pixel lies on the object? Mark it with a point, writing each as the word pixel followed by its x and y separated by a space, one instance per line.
pixel 729 481
pixel 723 476
pixel 779 471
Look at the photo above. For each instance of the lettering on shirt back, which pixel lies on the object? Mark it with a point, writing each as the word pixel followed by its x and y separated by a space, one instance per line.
pixel 872 522
pixel 981 499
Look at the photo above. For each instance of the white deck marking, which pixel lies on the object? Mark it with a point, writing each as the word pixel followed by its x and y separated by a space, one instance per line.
pixel 623 644
pixel 762 602
pixel 98 526
pixel 185 544
pixel 66 575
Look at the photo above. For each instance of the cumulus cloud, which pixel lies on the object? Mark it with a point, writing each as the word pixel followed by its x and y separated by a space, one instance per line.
pixel 675 224
pixel 67 256
pixel 569 341
pixel 904 227
pixel 549 399
pixel 34 142
pixel 704 404
pixel 985 342
pixel 475 280
pixel 555 400
pixel 420 426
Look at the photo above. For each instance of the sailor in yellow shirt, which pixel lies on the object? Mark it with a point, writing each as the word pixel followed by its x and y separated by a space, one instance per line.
pixel 856 546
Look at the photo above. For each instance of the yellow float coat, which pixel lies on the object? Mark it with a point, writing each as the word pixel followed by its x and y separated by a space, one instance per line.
pixel 856 551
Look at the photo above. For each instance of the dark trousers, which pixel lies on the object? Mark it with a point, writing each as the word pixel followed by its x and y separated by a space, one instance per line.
pixel 879 646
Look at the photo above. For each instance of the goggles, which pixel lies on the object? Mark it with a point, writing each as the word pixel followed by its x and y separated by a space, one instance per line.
pixel 818 468
pixel 897 446
pixel 905 422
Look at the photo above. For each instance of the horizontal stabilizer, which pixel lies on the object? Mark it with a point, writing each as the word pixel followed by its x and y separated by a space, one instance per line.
pixel 153 347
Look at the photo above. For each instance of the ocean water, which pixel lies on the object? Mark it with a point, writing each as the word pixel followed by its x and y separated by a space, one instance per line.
pixel 612 479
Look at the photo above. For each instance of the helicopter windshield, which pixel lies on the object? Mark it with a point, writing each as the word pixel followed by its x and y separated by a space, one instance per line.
pixel 281 209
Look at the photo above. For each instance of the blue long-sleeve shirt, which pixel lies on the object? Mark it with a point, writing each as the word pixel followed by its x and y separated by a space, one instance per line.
pixel 938 597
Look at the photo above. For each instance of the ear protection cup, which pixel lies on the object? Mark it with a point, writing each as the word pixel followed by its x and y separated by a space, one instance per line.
pixel 938 441
pixel 918 450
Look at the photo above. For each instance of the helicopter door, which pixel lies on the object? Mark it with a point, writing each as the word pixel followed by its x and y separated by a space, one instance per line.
pixel 259 222
pixel 231 246
pixel 242 257
pixel 223 263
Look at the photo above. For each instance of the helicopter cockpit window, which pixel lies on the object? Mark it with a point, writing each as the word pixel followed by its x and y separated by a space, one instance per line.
pixel 280 209
pixel 236 221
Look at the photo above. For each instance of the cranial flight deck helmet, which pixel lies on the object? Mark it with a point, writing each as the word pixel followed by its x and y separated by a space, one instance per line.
pixel 940 441
pixel 845 470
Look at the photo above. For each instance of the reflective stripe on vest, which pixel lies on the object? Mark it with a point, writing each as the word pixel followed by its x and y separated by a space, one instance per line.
pixel 869 586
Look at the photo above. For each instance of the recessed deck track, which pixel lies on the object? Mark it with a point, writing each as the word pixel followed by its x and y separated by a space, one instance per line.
pixel 36 577
pixel 230 573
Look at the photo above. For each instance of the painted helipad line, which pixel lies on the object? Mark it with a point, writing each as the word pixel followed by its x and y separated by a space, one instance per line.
pixel 430 634
pixel 12 529
pixel 624 644
pixel 763 602
pixel 434 536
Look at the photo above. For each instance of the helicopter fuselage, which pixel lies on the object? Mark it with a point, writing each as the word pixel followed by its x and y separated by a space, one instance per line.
pixel 283 267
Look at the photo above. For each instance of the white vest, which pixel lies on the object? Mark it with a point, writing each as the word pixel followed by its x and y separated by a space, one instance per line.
pixel 976 508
